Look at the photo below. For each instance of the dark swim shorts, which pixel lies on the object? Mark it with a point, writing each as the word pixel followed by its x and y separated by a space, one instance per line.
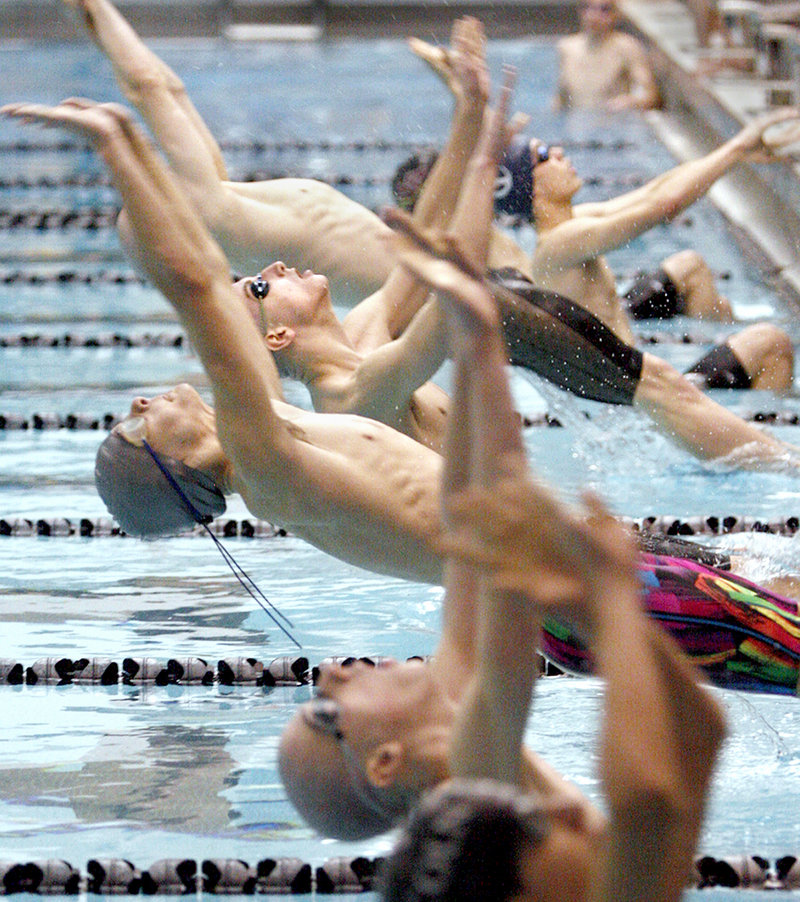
pixel 563 343
pixel 721 368
pixel 653 296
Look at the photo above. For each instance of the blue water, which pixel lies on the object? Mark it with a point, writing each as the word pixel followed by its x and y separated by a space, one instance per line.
pixel 146 773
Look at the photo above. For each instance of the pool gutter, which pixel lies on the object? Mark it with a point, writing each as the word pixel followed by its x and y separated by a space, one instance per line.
pixel 700 113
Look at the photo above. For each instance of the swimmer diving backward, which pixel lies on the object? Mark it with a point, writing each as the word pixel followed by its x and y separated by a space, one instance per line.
pixel 576 566
pixel 303 221
pixel 539 186
pixel 162 100
pixel 350 486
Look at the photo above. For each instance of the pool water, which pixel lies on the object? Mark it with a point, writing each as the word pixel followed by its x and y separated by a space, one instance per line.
pixel 147 772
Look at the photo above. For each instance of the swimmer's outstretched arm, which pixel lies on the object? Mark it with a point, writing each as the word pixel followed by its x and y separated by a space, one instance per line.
pixel 489 637
pixel 600 227
pixel 539 557
pixel 135 64
pixel 385 315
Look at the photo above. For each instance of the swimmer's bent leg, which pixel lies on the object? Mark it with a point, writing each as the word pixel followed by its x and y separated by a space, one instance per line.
pixel 565 344
pixel 721 368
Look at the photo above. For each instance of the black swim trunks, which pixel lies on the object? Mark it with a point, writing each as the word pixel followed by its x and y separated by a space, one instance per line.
pixel 721 368
pixel 654 296
pixel 565 344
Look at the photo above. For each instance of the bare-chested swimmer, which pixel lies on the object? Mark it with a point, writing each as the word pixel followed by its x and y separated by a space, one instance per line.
pixel 537 184
pixel 518 556
pixel 602 67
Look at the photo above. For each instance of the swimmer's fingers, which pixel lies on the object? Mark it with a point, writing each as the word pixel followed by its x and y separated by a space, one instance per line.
pixel 82 9
pixel 438 59
pixel 432 243
pixel 523 540
pixel 782 135
pixel 90 121
pixel 764 132
pixel 468 58
pixel 502 130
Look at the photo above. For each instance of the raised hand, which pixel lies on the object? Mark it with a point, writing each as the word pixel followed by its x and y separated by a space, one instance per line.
pixel 768 134
pixel 565 559
pixel 462 66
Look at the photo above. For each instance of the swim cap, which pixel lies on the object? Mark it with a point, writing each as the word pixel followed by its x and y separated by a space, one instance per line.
pixel 139 497
pixel 513 187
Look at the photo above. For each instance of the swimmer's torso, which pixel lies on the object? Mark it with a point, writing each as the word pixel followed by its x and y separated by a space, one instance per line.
pixel 375 501
pixel 591 73
pixel 308 225
pixel 591 285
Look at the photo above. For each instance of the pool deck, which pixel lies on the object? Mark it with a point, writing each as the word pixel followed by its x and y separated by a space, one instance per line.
pixel 699 111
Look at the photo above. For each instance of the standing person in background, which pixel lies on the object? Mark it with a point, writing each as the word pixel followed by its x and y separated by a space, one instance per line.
pixel 601 67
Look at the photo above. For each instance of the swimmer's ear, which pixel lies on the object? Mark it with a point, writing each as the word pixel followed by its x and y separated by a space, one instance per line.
pixel 279 338
pixel 385 763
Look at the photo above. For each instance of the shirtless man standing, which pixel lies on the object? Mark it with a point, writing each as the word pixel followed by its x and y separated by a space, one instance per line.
pixel 602 68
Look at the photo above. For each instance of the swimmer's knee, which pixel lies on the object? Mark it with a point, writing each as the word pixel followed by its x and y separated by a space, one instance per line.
pixel 767 354
pixel 683 265
pixel 695 284
pixel 762 341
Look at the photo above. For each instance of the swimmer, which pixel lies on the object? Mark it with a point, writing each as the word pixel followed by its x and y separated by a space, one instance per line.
pixel 349 485
pixel 300 220
pixel 601 67
pixel 568 257
pixel 537 183
pixel 483 833
pixel 352 487
pixel 374 739
pixel 377 361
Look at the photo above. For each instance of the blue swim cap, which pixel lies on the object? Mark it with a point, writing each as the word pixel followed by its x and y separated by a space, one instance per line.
pixel 139 496
pixel 513 187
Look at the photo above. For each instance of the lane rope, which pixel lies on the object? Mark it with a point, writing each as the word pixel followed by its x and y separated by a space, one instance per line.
pixel 659 524
pixel 229 876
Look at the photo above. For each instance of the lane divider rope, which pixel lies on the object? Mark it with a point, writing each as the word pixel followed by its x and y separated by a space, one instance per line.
pixel 281 671
pixel 40 422
pixel 229 876
pixel 661 524
pixel 253 145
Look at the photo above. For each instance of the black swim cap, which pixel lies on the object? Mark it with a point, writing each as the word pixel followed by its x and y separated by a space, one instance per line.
pixel 513 187
pixel 139 497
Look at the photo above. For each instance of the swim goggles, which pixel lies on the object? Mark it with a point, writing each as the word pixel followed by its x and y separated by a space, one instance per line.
pixel 259 289
pixel 540 155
